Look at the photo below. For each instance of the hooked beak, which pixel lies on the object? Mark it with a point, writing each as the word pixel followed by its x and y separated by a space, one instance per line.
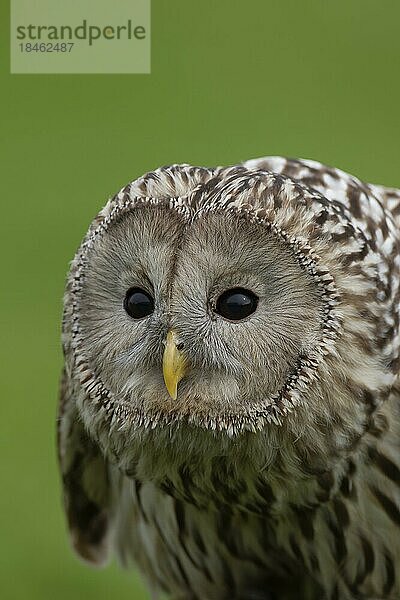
pixel 174 365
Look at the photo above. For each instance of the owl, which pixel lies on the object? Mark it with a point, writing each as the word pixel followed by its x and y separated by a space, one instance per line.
pixel 229 420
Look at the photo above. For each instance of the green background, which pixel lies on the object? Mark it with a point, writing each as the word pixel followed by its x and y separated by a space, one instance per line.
pixel 230 80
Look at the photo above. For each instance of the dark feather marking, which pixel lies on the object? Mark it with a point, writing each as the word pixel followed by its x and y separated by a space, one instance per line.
pixel 314 563
pixel 351 468
pixel 341 513
pixel 369 402
pixel 305 520
pixel 388 505
pixel 326 481
pixel 265 491
pixel 322 217
pixel 225 482
pixel 385 465
pixel 296 549
pixel 256 508
pixel 188 484
pixel 181 523
pixel 183 574
pixel 199 541
pixel 348 489
pixel 335 593
pixel 340 548
pixel 390 575
pixel 353 195
pixel 168 487
pixel 369 561
pixel 138 486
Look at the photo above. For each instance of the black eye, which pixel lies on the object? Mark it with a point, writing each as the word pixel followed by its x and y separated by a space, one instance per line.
pixel 138 303
pixel 236 304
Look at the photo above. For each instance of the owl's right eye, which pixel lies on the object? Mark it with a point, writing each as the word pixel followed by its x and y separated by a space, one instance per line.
pixel 138 303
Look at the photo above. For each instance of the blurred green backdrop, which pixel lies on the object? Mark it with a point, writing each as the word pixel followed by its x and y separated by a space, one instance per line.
pixel 230 80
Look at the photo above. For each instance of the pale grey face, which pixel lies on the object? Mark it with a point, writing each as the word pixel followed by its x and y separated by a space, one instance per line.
pixel 184 268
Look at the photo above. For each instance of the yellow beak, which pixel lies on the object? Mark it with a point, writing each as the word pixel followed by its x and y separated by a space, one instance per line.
pixel 174 365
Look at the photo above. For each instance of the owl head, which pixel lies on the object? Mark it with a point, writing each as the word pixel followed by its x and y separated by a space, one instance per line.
pixel 213 299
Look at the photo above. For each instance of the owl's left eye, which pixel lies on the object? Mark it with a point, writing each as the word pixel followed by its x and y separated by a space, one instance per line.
pixel 138 303
pixel 236 304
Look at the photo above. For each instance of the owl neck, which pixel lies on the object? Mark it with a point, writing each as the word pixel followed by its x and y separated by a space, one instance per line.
pixel 304 462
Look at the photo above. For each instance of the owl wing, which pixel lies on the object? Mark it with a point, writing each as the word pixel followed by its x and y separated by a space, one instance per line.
pixel 85 479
